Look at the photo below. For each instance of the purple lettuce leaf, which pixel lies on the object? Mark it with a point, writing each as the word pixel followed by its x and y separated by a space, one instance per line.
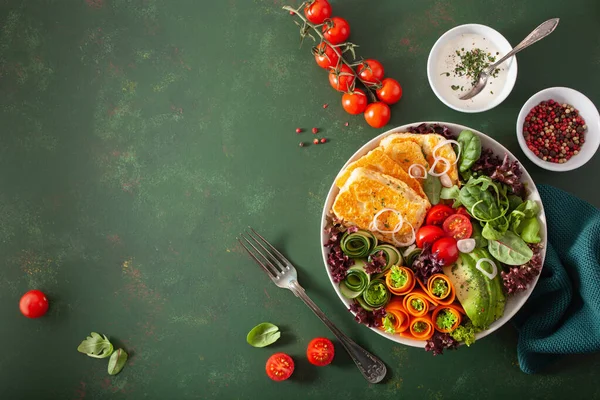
pixel 375 263
pixel 509 173
pixel 432 128
pixel 371 319
pixel 426 264
pixel 517 279
pixel 337 261
pixel 439 342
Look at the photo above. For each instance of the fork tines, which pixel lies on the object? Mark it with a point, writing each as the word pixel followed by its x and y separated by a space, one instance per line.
pixel 271 261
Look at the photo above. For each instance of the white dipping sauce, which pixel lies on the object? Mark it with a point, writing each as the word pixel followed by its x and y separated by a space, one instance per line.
pixel 449 60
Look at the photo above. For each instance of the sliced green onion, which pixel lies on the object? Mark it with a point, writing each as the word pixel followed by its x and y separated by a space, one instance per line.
pixel 358 244
pixel 356 281
pixel 376 294
pixel 412 256
pixel 391 254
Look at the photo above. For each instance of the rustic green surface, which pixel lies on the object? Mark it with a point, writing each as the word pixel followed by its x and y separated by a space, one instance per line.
pixel 137 137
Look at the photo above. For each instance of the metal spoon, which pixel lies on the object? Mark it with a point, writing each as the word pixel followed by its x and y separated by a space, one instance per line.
pixel 538 33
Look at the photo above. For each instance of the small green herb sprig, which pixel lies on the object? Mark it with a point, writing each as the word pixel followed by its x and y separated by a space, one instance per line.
pixel 98 346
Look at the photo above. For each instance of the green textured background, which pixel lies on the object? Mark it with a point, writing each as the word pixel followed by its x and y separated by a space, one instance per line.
pixel 137 137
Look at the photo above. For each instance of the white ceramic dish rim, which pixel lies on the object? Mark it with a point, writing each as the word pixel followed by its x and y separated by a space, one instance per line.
pixel 511 72
pixel 593 127
pixel 516 301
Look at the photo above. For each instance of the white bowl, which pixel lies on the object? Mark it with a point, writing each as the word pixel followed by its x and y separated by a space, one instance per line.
pixel 514 302
pixel 441 85
pixel 588 112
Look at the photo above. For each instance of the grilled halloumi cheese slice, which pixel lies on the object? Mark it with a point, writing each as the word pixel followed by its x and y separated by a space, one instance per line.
pixel 406 153
pixel 367 192
pixel 427 143
pixel 377 160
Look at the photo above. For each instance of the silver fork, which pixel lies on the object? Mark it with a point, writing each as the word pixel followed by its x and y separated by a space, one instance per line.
pixel 284 275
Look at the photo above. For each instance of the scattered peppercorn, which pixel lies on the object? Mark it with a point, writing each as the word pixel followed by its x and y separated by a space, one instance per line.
pixel 554 132
pixel 316 141
pixel 325 105
pixel 315 130
pixel 323 140
pixel 298 130
pixel 301 144
pixel 346 124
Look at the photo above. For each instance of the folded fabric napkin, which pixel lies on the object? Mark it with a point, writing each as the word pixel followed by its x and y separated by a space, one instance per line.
pixel 562 316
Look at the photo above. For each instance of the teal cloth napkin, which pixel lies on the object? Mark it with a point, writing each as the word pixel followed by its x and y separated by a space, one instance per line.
pixel 562 316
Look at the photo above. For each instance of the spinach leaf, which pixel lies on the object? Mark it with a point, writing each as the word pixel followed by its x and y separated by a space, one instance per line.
pixel 514 201
pixel 452 193
pixel 490 232
pixel 470 146
pixel 510 249
pixel 480 241
pixel 530 208
pixel 432 186
pixel 117 362
pixel 523 221
pixel 96 346
pixel 263 335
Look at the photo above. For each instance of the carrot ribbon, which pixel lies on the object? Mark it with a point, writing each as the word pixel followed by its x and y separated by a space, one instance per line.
pixel 408 285
pixel 455 310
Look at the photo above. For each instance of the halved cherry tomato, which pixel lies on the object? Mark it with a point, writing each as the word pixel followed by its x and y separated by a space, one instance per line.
pixel 370 71
pixel 463 211
pixel 378 114
pixel 428 234
pixel 342 78
pixel 354 102
pixel 320 352
pixel 317 11
pixel 33 304
pixel 336 30
pixel 280 366
pixel 438 214
pixel 325 56
pixel 390 91
pixel 446 250
pixel 458 226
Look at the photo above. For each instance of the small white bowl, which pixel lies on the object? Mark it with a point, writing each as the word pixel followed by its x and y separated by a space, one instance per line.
pixel 588 112
pixel 444 47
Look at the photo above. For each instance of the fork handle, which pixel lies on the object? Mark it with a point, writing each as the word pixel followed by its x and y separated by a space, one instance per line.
pixel 372 368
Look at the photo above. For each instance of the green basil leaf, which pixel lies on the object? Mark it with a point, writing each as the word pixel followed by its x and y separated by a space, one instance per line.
pixel 263 335
pixel 432 186
pixel 470 150
pixel 117 362
pixel 510 249
pixel 96 346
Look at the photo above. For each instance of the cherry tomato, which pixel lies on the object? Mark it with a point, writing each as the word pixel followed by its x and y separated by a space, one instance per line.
pixel 317 11
pixel 446 250
pixel 463 211
pixel 280 366
pixel 438 214
pixel 336 30
pixel 458 226
pixel 428 234
pixel 33 304
pixel 341 79
pixel 370 71
pixel 325 56
pixel 390 91
pixel 378 114
pixel 320 352
pixel 354 102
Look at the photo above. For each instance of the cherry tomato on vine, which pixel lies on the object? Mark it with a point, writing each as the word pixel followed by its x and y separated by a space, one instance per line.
pixel 320 352
pixel 336 30
pixel 390 91
pixel 370 71
pixel 438 214
pixel 446 250
pixel 354 102
pixel 378 114
pixel 33 304
pixel 280 366
pixel 325 56
pixel 342 78
pixel 317 11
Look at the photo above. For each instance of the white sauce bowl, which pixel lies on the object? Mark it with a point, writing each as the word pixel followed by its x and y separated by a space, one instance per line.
pixel 485 100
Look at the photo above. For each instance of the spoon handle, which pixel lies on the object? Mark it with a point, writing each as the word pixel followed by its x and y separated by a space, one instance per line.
pixel 537 34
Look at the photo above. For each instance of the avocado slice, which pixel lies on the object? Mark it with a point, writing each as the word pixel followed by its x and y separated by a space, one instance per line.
pixel 481 297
